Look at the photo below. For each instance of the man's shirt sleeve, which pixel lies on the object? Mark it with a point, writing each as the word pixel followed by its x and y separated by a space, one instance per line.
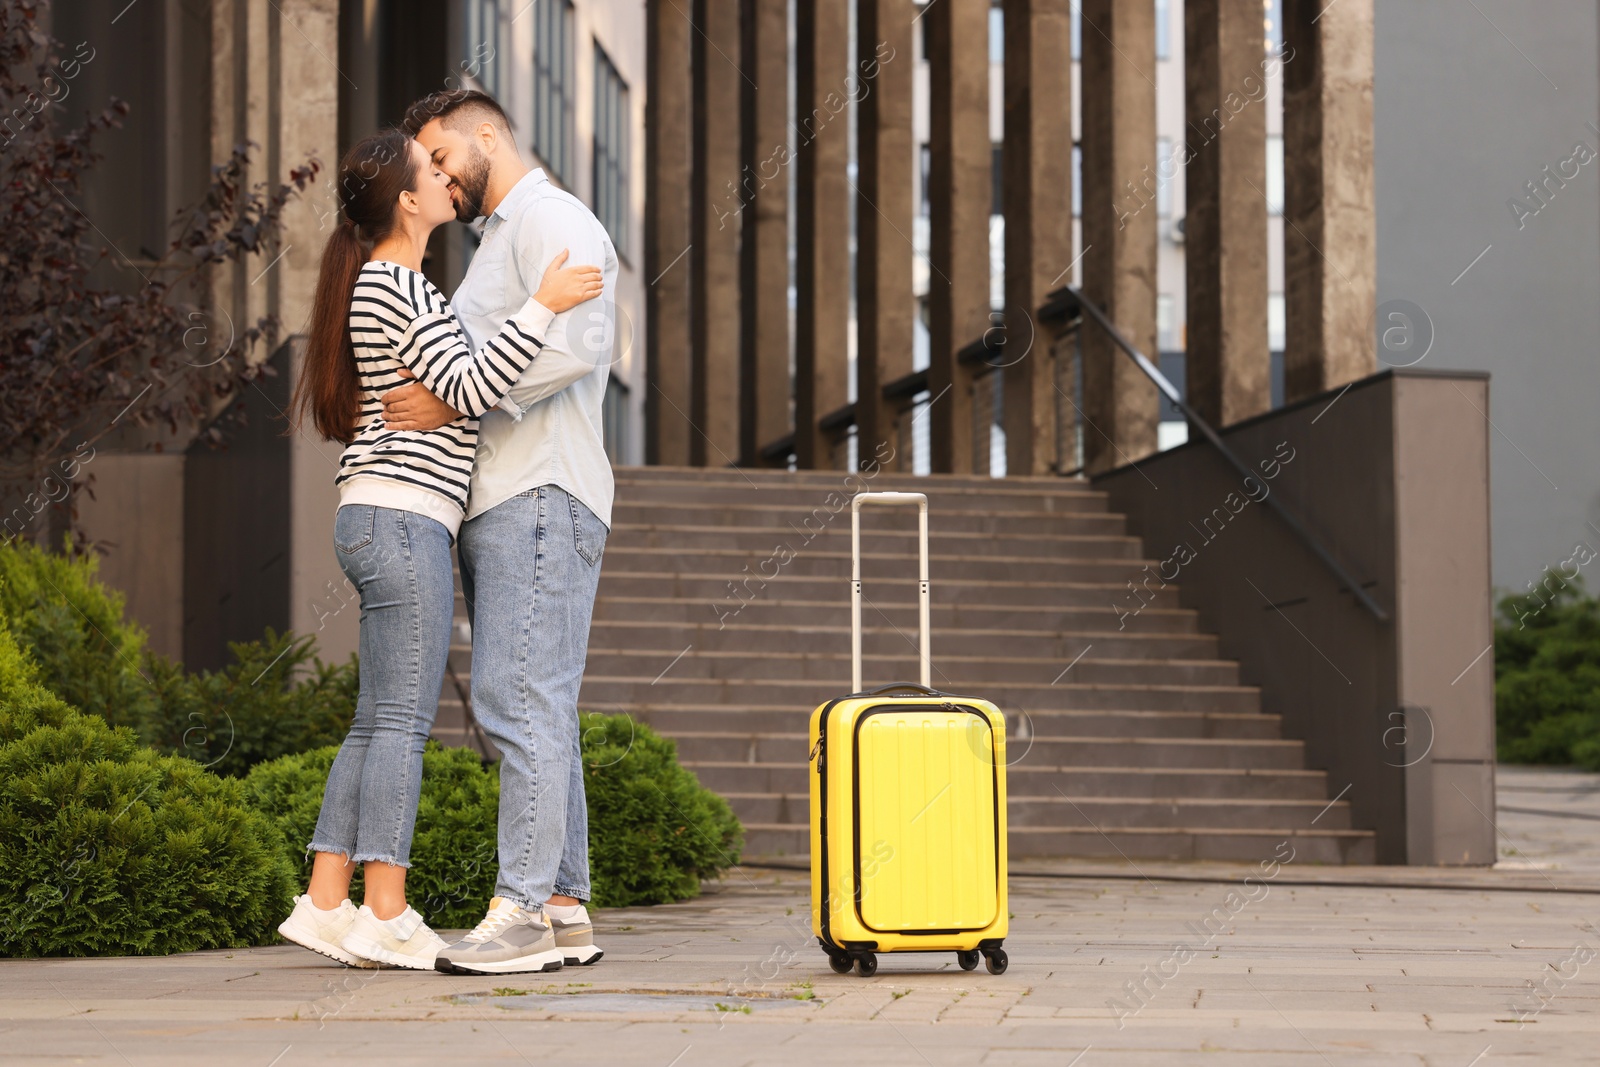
pixel 572 348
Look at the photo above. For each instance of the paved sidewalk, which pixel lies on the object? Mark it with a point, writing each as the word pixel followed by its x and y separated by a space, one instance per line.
pixel 1109 965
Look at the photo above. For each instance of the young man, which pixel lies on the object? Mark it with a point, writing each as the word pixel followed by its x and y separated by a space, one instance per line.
pixel 536 525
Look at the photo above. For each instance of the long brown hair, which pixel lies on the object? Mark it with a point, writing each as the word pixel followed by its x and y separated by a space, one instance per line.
pixel 372 176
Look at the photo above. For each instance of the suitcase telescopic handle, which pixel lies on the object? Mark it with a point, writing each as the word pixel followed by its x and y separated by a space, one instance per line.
pixel 890 499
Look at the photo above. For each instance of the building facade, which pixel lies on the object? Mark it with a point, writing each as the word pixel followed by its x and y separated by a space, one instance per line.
pixel 214 545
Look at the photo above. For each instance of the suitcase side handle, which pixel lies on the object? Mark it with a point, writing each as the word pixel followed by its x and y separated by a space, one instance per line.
pixel 890 499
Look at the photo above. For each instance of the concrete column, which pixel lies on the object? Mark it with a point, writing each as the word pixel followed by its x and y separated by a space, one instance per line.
pixel 306 122
pixel 822 232
pixel 960 195
pixel 1330 232
pixel 762 197
pixel 715 220
pixel 1119 226
pixel 1037 199
pixel 666 235
pixel 886 167
pixel 1228 365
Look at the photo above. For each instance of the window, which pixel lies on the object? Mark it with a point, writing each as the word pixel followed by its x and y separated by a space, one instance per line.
pixel 1275 322
pixel 997 35
pixel 482 60
pixel 1077 181
pixel 1272 26
pixel 1165 174
pixel 1076 22
pixel 1163 29
pixel 611 125
pixel 614 421
pixel 1166 324
pixel 927 166
pixel 1275 175
pixel 997 200
pixel 552 84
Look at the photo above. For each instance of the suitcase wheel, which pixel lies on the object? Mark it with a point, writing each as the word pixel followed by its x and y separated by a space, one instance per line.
pixel 841 964
pixel 867 964
pixel 968 959
pixel 995 960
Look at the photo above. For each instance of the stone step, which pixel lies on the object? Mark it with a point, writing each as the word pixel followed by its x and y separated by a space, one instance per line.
pixel 1029 779
pixel 943 616
pixel 1107 813
pixel 953 548
pixel 804 516
pixel 1035 775
pixel 878 639
pixel 742 584
pixel 1039 751
pixel 1022 728
pixel 941 501
pixel 881 480
pixel 1025 778
pixel 729 563
pixel 830 491
pixel 758 668
pixel 1129 844
pixel 640 692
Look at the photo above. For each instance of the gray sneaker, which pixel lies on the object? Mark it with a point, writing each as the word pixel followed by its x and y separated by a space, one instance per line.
pixel 509 940
pixel 575 938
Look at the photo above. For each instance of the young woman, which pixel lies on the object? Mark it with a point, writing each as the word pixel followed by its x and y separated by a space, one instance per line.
pixel 402 494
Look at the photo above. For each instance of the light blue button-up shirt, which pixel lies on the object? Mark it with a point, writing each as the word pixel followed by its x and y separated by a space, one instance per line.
pixel 548 429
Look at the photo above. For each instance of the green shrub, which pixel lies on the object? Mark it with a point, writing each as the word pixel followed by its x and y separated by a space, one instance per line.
pixel 275 698
pixel 654 832
pixel 108 848
pixel 72 626
pixel 25 705
pixel 1547 676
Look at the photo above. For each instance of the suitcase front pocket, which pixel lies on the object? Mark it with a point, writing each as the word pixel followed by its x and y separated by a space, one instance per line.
pixel 926 824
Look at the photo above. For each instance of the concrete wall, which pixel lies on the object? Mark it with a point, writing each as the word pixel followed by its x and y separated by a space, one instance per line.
pixel 1393 475
pixel 135 516
pixel 1469 107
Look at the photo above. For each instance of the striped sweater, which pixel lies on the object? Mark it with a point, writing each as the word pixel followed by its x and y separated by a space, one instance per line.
pixel 399 319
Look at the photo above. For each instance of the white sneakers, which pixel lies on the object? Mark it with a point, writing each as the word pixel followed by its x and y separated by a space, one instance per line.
pixel 357 936
pixel 321 931
pixel 403 941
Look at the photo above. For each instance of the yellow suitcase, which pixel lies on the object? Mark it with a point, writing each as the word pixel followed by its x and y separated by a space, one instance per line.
pixel 908 808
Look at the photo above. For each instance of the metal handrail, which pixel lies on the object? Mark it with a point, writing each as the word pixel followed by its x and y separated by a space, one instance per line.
pixel 1273 500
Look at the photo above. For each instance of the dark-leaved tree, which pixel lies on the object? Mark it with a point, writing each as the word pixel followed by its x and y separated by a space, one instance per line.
pixel 81 356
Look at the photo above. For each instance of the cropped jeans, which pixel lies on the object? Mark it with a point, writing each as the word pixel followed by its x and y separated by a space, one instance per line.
pixel 399 562
pixel 529 569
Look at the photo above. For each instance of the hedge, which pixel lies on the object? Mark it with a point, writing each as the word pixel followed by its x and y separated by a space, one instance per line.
pixel 274 699
pixel 1547 676
pixel 109 848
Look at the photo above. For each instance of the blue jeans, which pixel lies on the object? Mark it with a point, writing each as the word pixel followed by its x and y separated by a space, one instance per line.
pixel 529 569
pixel 399 561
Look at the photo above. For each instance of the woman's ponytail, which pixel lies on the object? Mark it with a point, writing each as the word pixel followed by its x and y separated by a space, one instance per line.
pixel 328 384
pixel 371 178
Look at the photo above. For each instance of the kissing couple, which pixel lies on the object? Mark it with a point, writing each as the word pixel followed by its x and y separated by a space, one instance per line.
pixel 473 422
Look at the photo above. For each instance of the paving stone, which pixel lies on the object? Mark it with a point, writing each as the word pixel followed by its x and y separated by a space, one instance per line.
pixel 1437 968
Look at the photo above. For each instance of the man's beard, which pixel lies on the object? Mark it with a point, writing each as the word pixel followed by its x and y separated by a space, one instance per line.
pixel 472 185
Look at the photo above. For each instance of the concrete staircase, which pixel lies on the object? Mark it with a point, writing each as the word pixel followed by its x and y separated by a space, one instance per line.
pixel 723 620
